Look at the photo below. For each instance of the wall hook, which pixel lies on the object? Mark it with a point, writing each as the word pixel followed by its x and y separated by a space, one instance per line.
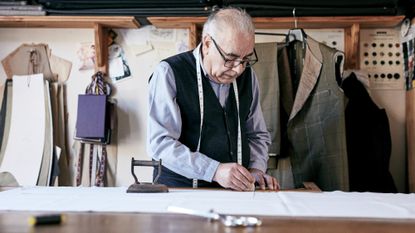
pixel 295 19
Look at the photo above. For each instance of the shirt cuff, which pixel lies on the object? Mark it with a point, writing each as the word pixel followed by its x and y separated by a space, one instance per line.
pixel 260 165
pixel 210 170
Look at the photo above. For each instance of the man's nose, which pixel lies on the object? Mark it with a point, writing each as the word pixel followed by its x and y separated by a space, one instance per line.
pixel 239 68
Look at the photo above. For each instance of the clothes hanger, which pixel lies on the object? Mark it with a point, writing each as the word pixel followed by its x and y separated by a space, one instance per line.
pixel 270 34
pixel 296 34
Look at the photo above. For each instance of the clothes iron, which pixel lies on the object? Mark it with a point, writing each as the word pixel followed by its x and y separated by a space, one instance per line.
pixel 138 187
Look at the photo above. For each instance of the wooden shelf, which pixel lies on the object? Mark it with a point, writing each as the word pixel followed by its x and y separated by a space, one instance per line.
pixel 351 24
pixel 100 24
pixel 69 21
pixel 288 22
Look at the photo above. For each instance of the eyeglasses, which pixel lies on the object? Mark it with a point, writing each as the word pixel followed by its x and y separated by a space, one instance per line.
pixel 231 63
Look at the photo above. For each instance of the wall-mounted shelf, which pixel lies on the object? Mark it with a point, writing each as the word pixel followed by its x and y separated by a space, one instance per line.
pixel 351 24
pixel 100 24
pixel 68 21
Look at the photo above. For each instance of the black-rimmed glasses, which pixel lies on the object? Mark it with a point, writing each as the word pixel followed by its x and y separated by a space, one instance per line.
pixel 231 63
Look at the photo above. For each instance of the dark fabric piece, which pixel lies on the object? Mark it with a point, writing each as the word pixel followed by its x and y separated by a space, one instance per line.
pixel 107 4
pixel 264 8
pixel 268 11
pixel 220 126
pixel 135 8
pixel 319 3
pixel 3 112
pixel 172 179
pixel 286 101
pixel 136 12
pixel 368 140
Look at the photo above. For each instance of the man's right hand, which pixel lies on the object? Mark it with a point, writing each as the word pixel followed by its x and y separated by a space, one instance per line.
pixel 234 176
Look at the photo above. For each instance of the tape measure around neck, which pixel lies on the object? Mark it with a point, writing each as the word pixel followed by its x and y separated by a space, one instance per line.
pixel 201 106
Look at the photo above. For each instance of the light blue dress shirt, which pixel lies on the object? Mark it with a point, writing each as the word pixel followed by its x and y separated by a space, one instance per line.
pixel 165 125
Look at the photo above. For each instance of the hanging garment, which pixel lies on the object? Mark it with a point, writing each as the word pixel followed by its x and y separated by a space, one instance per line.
pixel 48 165
pixel 61 68
pixel 59 131
pixel 267 74
pixel 266 70
pixel 28 59
pixel 368 140
pixel 312 115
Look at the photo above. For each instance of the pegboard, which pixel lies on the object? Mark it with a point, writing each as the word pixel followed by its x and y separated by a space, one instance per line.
pixel 381 58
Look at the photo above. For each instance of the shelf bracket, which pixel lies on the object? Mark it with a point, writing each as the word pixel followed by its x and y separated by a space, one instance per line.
pixel 101 48
pixel 352 37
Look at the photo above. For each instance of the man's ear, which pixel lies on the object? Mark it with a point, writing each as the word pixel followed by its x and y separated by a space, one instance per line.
pixel 206 43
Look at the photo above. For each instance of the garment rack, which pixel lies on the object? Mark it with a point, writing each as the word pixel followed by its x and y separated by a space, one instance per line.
pixel 270 34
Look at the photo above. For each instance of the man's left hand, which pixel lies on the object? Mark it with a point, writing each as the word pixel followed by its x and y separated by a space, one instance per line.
pixel 264 179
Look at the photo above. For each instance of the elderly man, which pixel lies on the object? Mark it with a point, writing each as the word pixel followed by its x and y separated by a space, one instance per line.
pixel 205 120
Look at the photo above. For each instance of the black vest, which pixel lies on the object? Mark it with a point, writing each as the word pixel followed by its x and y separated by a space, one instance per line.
pixel 220 125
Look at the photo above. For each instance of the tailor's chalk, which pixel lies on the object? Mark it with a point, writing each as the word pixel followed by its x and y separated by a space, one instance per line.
pixel 50 219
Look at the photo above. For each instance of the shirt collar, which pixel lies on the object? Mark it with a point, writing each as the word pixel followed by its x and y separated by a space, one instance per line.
pixel 198 52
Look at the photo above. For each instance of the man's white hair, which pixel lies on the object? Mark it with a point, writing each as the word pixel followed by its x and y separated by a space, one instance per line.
pixel 228 18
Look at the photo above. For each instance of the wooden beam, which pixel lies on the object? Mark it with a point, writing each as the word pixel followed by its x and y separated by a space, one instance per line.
pixel 351 46
pixel 68 21
pixel 176 22
pixel 193 33
pixel 101 48
pixel 287 22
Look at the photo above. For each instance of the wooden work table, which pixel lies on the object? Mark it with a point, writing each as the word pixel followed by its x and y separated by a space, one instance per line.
pixel 98 222
pixel 149 223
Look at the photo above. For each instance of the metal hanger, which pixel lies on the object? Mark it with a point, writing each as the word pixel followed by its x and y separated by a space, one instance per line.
pixel 270 34
pixel 296 34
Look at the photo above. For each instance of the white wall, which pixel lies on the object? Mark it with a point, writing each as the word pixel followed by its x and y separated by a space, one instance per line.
pixel 130 93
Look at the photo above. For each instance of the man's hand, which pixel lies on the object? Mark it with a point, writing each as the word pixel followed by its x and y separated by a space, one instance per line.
pixel 264 179
pixel 234 176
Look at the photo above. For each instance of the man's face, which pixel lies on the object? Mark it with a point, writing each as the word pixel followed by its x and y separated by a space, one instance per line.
pixel 225 57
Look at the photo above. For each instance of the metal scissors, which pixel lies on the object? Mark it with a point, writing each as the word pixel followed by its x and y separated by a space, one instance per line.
pixel 227 220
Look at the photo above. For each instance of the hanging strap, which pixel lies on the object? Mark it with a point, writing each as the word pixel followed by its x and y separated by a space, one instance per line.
pixel 80 162
pixel 98 86
pixel 201 106
pixel 239 142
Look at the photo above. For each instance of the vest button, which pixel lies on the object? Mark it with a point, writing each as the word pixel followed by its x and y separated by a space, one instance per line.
pixel 229 132
pixel 231 153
